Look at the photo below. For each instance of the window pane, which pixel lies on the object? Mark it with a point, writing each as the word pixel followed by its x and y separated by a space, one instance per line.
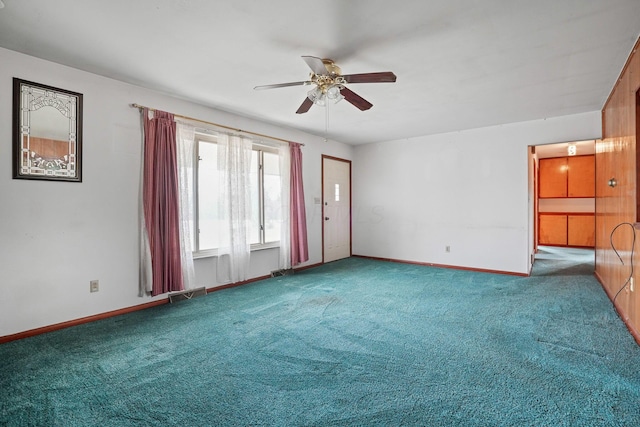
pixel 207 195
pixel 272 192
pixel 265 201
pixel 255 198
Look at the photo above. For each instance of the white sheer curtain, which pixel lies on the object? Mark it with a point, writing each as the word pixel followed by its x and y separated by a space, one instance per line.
pixel 145 284
pixel 284 154
pixel 234 209
pixel 185 136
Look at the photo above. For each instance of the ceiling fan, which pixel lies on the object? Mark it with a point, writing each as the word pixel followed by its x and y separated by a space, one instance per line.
pixel 330 84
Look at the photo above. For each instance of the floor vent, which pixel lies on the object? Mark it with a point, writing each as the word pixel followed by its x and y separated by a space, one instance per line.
pixel 282 272
pixel 183 295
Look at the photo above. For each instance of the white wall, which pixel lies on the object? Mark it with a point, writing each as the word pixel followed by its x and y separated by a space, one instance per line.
pixel 468 190
pixel 57 236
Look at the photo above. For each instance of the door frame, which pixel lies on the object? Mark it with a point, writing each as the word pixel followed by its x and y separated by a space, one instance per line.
pixel 533 164
pixel 338 159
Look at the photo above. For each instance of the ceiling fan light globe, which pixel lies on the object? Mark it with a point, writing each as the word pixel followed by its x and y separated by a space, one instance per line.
pixel 333 92
pixel 314 94
pixel 317 96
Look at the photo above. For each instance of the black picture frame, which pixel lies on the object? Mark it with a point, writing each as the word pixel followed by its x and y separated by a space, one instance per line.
pixel 47 132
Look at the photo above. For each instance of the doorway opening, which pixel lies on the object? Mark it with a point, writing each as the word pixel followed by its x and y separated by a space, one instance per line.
pixel 562 196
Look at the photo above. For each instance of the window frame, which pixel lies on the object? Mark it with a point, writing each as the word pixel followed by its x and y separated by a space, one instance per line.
pixel 210 138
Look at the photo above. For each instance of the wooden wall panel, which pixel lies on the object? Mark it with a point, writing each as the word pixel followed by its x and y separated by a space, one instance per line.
pixel 617 206
pixel 49 148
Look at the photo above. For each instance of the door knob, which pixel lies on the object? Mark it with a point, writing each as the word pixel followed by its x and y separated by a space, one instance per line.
pixel 326 218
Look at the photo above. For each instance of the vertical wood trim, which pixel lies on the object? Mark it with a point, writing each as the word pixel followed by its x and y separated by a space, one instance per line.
pixel 536 201
pixel 637 156
pixel 322 201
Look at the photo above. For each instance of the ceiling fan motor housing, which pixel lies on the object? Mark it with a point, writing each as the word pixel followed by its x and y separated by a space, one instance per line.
pixel 331 66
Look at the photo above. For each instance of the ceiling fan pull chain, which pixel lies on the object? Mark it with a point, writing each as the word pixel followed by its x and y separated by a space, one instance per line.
pixel 326 123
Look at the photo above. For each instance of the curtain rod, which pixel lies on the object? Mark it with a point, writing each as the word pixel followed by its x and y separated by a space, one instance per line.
pixel 138 106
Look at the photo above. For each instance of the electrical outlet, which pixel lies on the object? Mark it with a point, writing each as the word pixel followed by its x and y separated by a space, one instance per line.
pixel 94 286
pixel 631 283
pixel 447 249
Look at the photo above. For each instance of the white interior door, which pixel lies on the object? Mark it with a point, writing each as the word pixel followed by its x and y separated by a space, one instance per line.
pixel 336 203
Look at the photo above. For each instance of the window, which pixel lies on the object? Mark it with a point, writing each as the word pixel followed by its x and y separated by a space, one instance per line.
pixel 265 196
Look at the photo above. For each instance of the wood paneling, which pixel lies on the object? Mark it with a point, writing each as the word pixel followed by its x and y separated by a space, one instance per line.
pixel 616 158
pixel 581 176
pixel 637 156
pixel 553 177
pixel 49 148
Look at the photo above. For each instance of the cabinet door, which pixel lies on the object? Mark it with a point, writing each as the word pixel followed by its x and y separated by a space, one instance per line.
pixel 581 176
pixel 553 229
pixel 553 177
pixel 581 230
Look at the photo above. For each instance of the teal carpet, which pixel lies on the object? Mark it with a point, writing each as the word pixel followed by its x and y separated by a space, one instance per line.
pixel 352 343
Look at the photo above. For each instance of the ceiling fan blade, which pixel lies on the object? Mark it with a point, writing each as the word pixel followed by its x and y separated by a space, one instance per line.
pixel 282 85
pixel 304 107
pixel 381 77
pixel 316 65
pixel 355 99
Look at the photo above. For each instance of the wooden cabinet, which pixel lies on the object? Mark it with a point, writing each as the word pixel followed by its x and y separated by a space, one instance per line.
pixel 553 177
pixel 581 176
pixel 567 229
pixel 567 182
pixel 581 230
pixel 553 229
pixel 567 177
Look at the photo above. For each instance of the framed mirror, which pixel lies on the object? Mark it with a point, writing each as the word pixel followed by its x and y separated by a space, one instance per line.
pixel 47 132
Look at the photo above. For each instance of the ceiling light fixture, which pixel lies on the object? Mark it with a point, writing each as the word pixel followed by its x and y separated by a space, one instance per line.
pixel 333 92
pixel 316 96
pixel 325 91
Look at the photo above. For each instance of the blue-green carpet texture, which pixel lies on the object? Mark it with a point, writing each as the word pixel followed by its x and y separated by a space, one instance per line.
pixel 356 342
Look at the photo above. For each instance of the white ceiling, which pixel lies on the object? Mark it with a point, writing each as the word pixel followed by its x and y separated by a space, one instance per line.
pixel 460 64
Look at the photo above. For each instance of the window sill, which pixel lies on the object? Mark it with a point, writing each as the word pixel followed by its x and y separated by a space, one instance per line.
pixel 211 253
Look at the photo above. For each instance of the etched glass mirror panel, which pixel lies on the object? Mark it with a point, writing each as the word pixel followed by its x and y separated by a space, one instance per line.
pixel 47 132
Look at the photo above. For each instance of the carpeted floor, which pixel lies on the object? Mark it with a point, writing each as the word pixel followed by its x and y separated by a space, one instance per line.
pixel 352 343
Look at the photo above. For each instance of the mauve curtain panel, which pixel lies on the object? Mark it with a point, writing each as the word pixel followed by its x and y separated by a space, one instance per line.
pixel 299 247
pixel 160 201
